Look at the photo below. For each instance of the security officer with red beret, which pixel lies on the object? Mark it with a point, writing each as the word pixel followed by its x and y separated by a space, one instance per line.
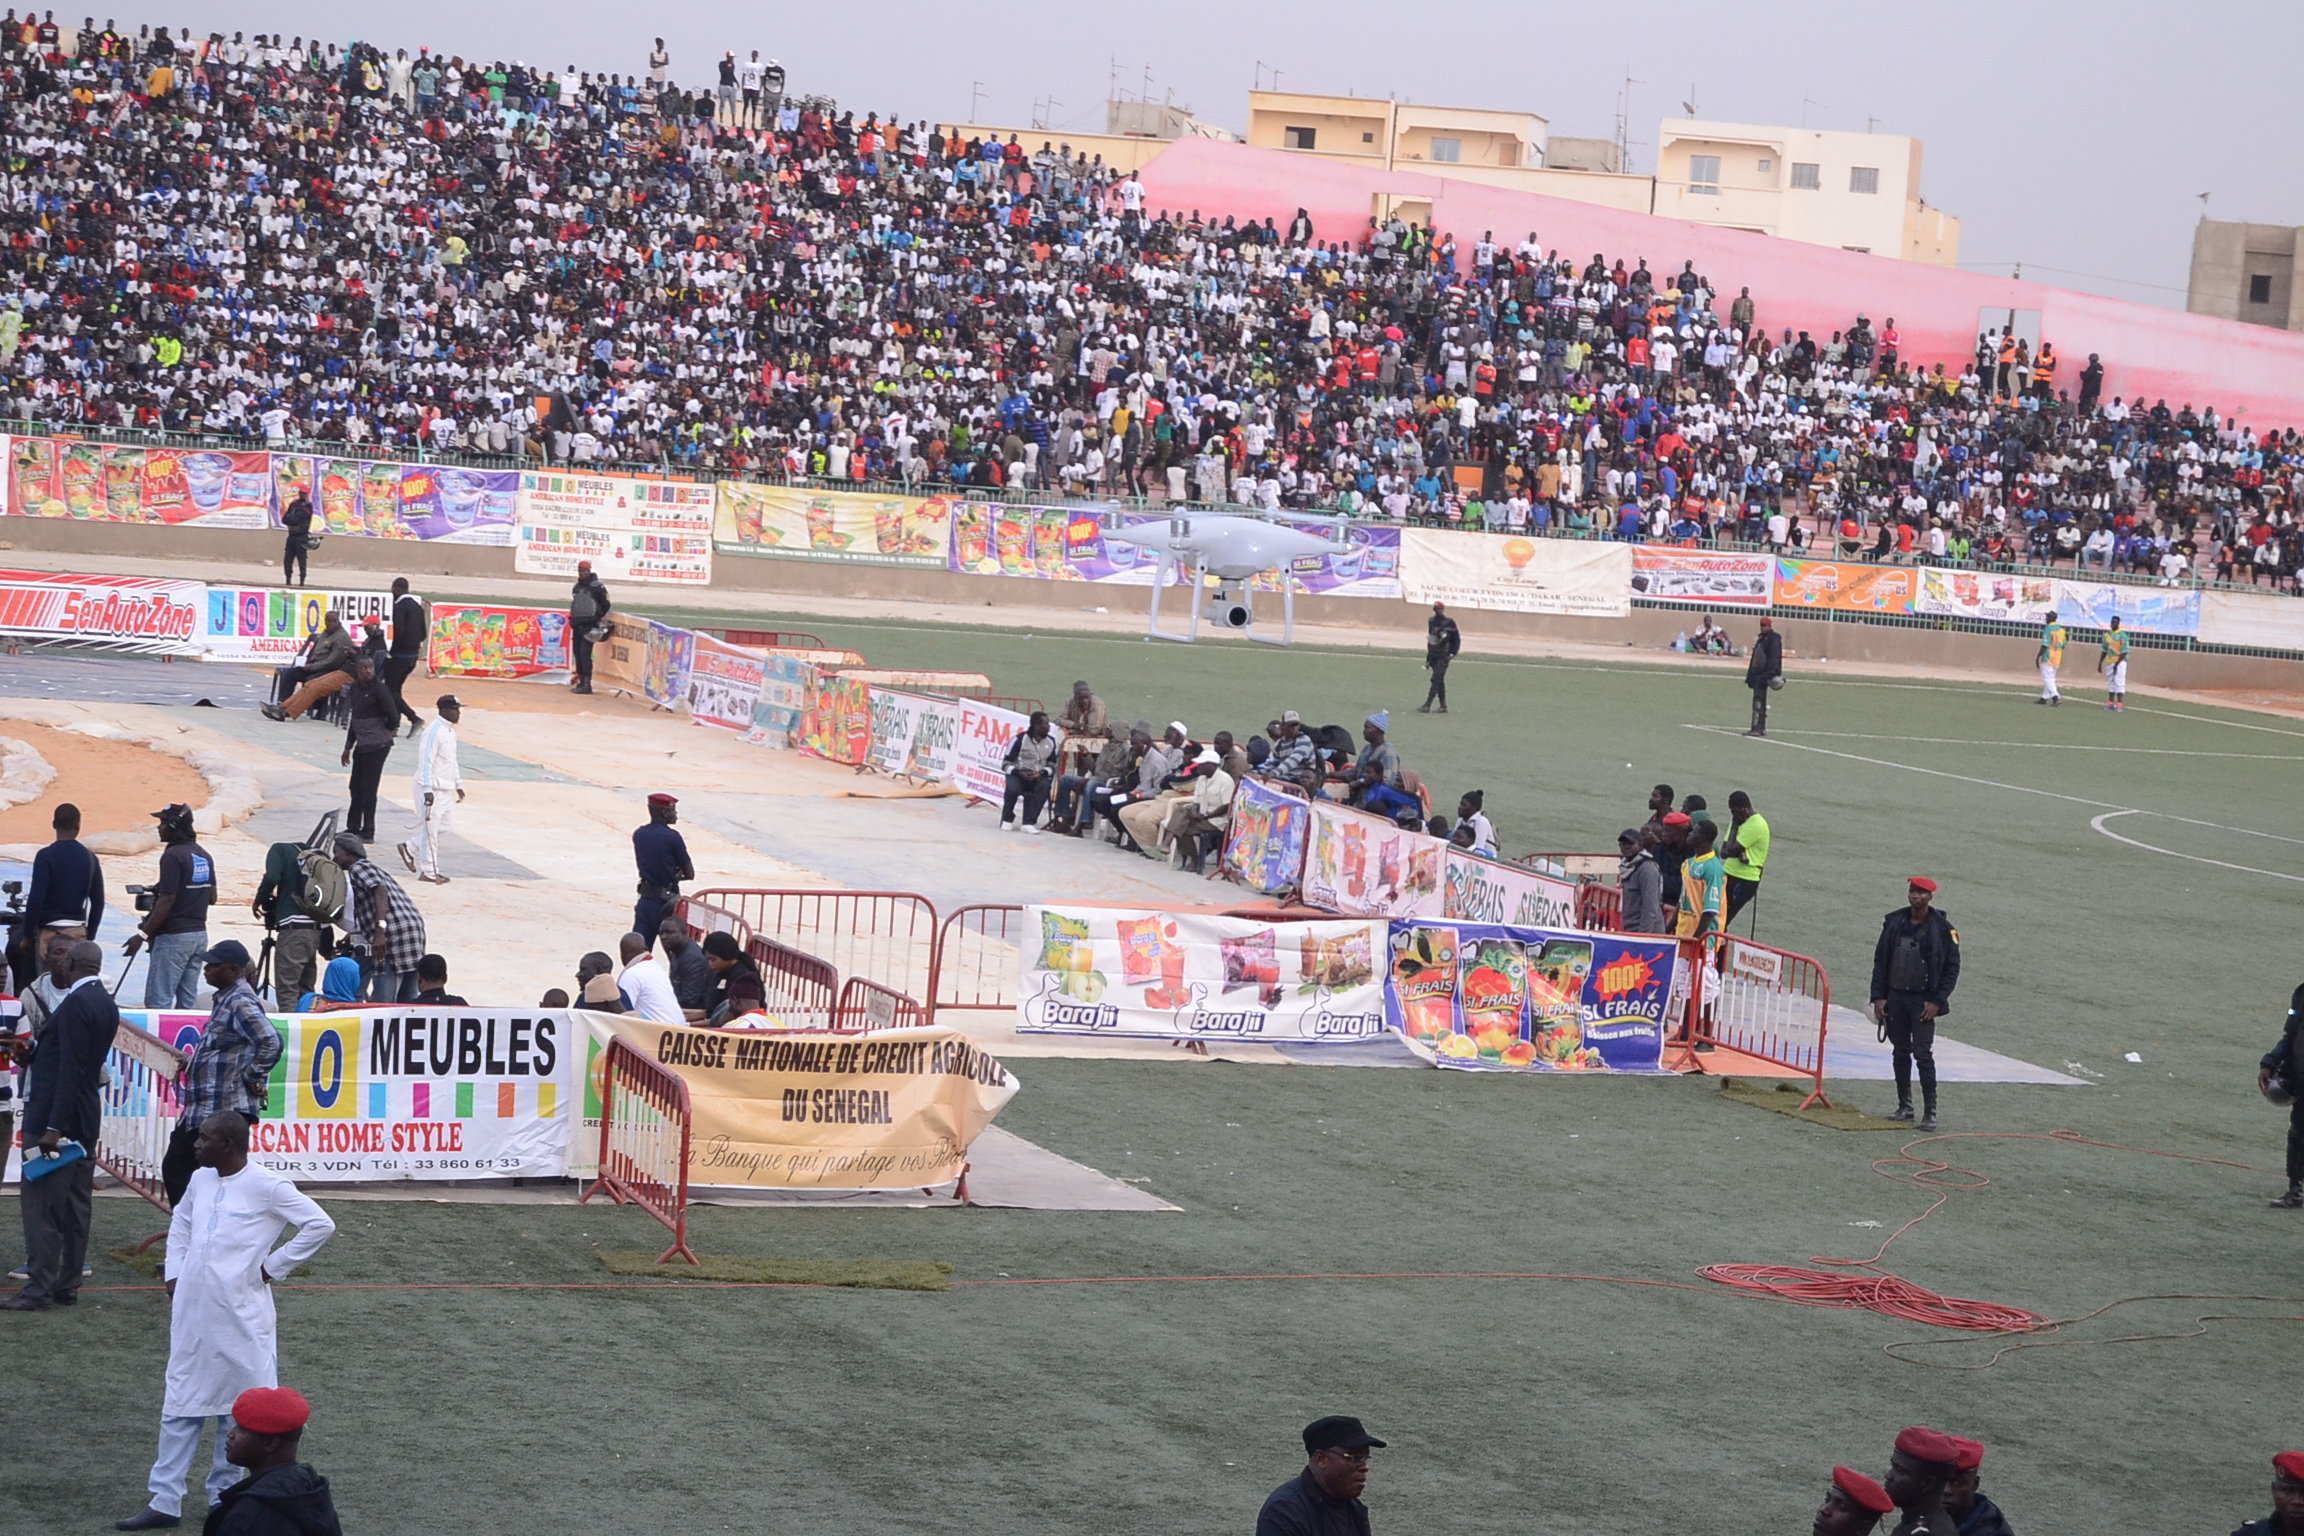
pixel 1918 1473
pixel 1915 966
pixel 1964 1502
pixel 2287 1517
pixel 2281 1077
pixel 1852 1506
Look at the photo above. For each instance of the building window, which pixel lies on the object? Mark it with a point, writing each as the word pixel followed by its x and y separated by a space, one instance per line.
pixel 1449 150
pixel 1367 138
pixel 1766 165
pixel 1704 174
pixel 1864 179
pixel 1297 138
pixel 2260 288
pixel 1807 176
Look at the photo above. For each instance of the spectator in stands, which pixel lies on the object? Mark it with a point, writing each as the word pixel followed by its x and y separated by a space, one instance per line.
pixel 1030 764
pixel 646 984
pixel 1639 883
pixel 1105 797
pixel 432 984
pixel 1084 713
pixel 1471 812
pixel 1115 764
pixel 1374 778
pixel 684 963
pixel 1295 757
pixel 1196 823
pixel 736 985
pixel 1161 779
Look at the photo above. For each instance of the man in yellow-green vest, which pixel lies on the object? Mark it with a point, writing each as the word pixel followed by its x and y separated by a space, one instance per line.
pixel 1746 856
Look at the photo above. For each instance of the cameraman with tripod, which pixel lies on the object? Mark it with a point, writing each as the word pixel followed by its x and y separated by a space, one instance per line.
pixel 2278 1076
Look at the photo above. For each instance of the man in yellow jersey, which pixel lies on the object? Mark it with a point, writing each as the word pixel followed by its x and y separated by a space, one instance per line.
pixel 2112 661
pixel 2051 657
pixel 1703 885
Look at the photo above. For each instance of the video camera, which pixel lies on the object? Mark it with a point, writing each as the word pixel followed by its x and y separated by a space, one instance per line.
pixel 144 897
pixel 13 890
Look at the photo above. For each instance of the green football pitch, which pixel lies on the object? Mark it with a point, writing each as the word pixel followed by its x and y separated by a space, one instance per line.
pixel 1365 1241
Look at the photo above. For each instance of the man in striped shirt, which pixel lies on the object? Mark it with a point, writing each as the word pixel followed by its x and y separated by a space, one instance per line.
pixel 229 1066
pixel 382 925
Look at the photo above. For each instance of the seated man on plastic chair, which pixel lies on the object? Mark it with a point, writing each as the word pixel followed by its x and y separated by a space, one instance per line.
pixel 326 671
pixel 1375 777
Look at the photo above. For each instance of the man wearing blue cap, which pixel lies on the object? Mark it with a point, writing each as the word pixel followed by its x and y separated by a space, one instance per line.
pixel 227 1074
pixel 1324 1499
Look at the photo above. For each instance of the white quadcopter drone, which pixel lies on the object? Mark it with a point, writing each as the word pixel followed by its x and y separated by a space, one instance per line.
pixel 1235 549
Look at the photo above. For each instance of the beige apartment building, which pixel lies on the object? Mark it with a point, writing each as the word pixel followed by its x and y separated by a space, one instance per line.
pixel 1857 191
pixel 2247 272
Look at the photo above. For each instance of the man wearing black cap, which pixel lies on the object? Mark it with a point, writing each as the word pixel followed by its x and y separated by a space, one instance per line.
pixel 228 1073
pixel 177 925
pixel 1324 1499
pixel 587 610
pixel 1442 640
pixel 1915 966
pixel 661 854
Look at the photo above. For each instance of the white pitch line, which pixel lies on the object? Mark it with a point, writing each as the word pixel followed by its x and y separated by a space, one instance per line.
pixel 2250 869
pixel 2050 746
pixel 2022 789
pixel 2238 725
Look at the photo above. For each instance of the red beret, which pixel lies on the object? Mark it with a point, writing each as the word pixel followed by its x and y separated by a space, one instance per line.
pixel 1971 1452
pixel 1929 1445
pixel 271 1410
pixel 663 799
pixel 1676 819
pixel 2290 1464
pixel 1922 883
pixel 1863 1490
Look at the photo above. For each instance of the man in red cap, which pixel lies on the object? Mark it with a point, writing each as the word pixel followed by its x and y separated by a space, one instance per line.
pixel 1918 1473
pixel 588 608
pixel 662 856
pixel 2287 1517
pixel 280 1496
pixel 1978 1515
pixel 1915 966
pixel 1763 672
pixel 1852 1506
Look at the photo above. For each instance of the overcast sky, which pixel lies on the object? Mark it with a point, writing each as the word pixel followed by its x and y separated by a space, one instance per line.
pixel 2075 138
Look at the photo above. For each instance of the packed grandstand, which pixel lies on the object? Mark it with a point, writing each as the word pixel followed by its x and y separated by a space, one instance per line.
pixel 237 239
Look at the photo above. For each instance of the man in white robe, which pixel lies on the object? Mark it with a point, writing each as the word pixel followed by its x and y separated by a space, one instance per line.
pixel 439 785
pixel 221 1334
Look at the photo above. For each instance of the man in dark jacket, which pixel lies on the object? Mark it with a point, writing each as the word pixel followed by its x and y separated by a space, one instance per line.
pixel 2285 1061
pixel 296 554
pixel 587 610
pixel 1915 966
pixel 67 894
pixel 411 631
pixel 368 738
pixel 1975 1513
pixel 1762 672
pixel 280 1496
pixel 1442 640
pixel 1324 1499
pixel 67 1066
pixel 2287 1518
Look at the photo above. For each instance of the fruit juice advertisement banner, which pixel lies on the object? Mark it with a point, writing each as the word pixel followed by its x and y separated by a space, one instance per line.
pixel 797 524
pixel 1106 546
pixel 1188 975
pixel 1265 840
pixel 836 719
pixel 1985 595
pixel 1365 866
pixel 380 499
pixel 784 685
pixel 1516 575
pixel 107 483
pixel 1503 998
pixel 1722 580
pixel 1852 588
pixel 671 654
pixel 474 641
pixel 270 624
pixel 723 684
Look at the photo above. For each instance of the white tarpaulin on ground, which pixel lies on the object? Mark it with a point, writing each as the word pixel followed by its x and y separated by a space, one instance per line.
pixel 1515 574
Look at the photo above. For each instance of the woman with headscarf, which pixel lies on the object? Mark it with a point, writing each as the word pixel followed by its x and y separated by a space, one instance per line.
pixel 339 988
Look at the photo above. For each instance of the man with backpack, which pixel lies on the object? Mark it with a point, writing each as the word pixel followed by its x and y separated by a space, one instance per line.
pixel 300 899
pixel 588 607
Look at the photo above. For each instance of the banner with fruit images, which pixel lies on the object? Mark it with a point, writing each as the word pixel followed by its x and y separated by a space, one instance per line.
pixel 794 523
pixel 1365 866
pixel 1499 998
pixel 1196 976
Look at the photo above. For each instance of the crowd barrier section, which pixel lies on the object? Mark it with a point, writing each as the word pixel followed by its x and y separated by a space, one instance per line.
pixel 702 917
pixel 645 1125
pixel 884 936
pixel 978 961
pixel 866 1006
pixel 774 639
pixel 139 1107
pixel 1766 1003
pixel 797 987
pixel 1599 908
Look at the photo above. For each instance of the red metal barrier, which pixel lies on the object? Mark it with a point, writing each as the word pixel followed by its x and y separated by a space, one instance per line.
pixel 798 988
pixel 884 936
pixel 1768 1004
pixel 1599 908
pixel 866 1006
pixel 645 1127
pixel 702 917
pixel 140 1106
pixel 979 958
pixel 776 639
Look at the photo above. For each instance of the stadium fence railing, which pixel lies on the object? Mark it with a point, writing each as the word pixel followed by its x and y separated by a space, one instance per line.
pixel 139 1107
pixel 645 1129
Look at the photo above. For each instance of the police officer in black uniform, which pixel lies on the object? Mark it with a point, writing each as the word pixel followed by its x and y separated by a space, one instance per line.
pixel 2281 1072
pixel 1915 966
pixel 1442 640
pixel 2287 1518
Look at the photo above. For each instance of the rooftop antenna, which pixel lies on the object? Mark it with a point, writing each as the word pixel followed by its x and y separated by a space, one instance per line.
pixel 975 94
pixel 1871 123
pixel 1805 103
pixel 1689 106
pixel 1624 120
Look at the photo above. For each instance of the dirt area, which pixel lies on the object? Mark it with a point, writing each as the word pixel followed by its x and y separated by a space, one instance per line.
pixel 536 698
pixel 117 785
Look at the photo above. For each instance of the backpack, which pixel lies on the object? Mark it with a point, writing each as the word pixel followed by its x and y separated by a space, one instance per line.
pixel 320 886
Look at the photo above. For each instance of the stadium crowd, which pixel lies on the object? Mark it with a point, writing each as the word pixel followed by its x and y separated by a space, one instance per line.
pixel 319 243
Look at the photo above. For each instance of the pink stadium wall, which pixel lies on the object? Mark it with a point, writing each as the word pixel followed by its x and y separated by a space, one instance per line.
pixel 2155 352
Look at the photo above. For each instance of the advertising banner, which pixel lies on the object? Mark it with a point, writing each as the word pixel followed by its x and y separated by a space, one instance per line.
pixel 1716 578
pixel 1516 575
pixel 798 524
pixel 1185 975
pixel 1365 866
pixel 471 640
pixel 2142 610
pixel 671 656
pixel 1995 595
pixel 1104 545
pixel 935 741
pixel 1478 890
pixel 784 685
pixel 1488 995
pixel 631 530
pixel 894 718
pixel 379 499
pixel 101 482
pixel 622 658
pixel 2260 620
pixel 893 1109
pixel 984 731
pixel 410 1093
pixel 270 624
pixel 724 684
pixel 836 719
pixel 1264 842
pixel 138 613
pixel 1853 588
